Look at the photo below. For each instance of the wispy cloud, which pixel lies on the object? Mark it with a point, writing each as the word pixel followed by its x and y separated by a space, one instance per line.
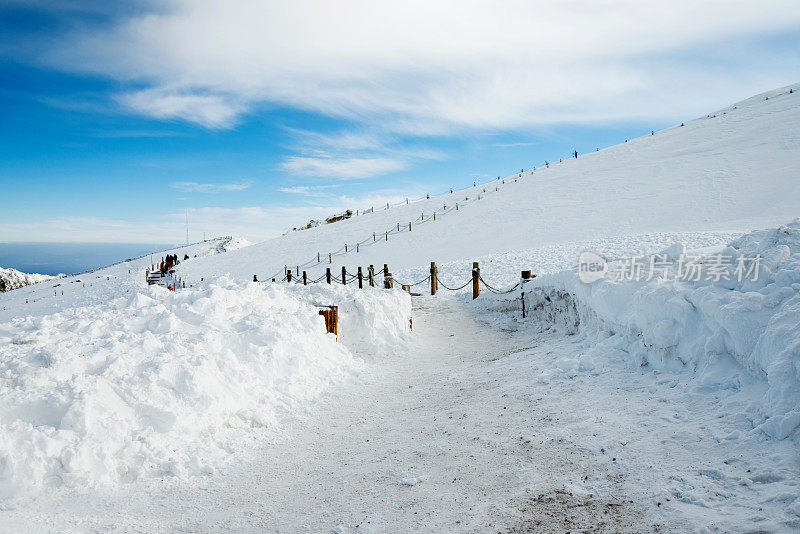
pixel 209 110
pixel 529 63
pixel 342 168
pixel 256 223
pixel 305 190
pixel 513 145
pixel 195 187
pixel 353 153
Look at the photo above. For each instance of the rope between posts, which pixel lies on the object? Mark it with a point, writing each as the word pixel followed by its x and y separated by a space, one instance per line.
pixel 349 277
pixel 415 283
pixel 439 280
pixel 498 291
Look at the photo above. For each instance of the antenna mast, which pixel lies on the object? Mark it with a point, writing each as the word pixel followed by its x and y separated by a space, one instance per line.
pixel 187 226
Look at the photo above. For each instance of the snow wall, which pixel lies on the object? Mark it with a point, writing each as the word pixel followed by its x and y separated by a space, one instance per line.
pixel 161 383
pixel 729 330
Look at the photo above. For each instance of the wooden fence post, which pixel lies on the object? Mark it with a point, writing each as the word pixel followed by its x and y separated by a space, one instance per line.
pixel 289 276
pixel 328 275
pixel 434 281
pixel 335 313
pixel 255 278
pixel 526 277
pixel 385 270
pixel 305 279
pixel 344 275
pixel 331 316
pixel 388 281
pixel 371 276
pixel 360 279
pixel 476 272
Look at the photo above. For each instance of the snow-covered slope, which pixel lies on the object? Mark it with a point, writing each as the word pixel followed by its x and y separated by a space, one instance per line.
pixel 734 170
pixel 109 380
pixel 13 279
pixel 98 286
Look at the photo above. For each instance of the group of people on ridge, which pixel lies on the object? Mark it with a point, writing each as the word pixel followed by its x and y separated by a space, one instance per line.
pixel 168 263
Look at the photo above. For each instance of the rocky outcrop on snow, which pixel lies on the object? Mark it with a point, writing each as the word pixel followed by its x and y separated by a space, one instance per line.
pixel 12 279
pixel 313 223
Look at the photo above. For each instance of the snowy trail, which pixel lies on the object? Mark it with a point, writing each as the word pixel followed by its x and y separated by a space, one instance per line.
pixel 458 434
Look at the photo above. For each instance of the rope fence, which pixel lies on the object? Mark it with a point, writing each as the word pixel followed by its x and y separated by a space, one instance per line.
pixel 368 277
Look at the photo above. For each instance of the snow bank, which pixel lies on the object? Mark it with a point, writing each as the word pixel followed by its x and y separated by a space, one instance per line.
pixel 372 321
pixel 13 279
pixel 164 383
pixel 670 323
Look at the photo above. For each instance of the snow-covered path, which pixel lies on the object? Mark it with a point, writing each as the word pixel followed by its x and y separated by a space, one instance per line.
pixel 460 434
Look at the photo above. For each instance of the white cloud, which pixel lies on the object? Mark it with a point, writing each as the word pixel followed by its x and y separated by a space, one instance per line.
pixel 427 67
pixel 194 187
pixel 255 223
pixel 343 168
pixel 351 153
pixel 304 190
pixel 209 110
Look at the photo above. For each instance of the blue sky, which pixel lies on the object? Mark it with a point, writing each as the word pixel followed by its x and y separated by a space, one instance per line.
pixel 256 116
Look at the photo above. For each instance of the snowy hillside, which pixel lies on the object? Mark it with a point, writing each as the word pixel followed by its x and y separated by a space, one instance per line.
pixel 13 279
pixel 627 404
pixel 732 171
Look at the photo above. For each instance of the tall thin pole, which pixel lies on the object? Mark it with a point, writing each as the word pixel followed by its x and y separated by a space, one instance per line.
pixel 187 226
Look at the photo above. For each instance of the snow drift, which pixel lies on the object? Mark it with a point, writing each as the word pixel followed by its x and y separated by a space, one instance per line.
pixel 727 329
pixel 163 383
pixel 13 279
